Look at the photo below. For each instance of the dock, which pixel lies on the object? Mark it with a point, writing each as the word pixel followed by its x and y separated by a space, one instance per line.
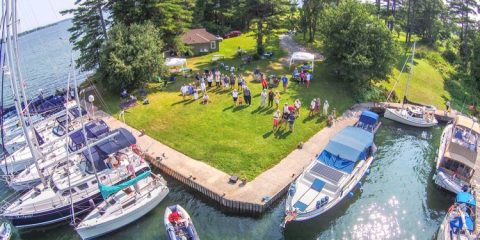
pixel 252 197
pixel 475 183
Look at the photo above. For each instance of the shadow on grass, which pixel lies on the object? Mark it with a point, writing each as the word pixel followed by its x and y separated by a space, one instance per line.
pixel 283 133
pixel 189 102
pixel 240 108
pixel 181 101
pixel 268 134
pixel 227 108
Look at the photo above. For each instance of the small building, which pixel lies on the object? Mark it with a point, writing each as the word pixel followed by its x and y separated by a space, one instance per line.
pixel 200 41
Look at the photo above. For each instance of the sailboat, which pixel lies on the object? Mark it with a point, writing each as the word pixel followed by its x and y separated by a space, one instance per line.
pixel 417 116
pixel 457 154
pixel 459 222
pixel 122 205
pixel 335 173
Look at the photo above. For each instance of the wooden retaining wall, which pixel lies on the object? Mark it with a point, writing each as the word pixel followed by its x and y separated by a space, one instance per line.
pixel 226 204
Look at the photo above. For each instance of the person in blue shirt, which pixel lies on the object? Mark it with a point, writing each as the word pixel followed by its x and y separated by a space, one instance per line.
pixel 285 82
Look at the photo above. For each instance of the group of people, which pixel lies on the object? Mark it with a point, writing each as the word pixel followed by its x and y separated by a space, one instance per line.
pixel 288 116
pixel 303 76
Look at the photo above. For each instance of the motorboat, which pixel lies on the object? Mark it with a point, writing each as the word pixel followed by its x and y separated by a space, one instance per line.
pixel 70 189
pixel 178 224
pixel 5 231
pixel 123 207
pixel 416 116
pixel 335 173
pixel 30 177
pixel 459 222
pixel 457 154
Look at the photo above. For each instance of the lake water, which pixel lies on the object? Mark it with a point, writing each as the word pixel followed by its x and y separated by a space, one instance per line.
pixel 45 61
pixel 398 199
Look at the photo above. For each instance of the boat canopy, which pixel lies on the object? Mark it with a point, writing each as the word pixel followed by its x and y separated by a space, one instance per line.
pixel 461 154
pixel 76 113
pixel 102 150
pixel 107 191
pixel 93 129
pixel 346 148
pixel 467 123
pixel 467 198
pixel 369 117
pixel 456 224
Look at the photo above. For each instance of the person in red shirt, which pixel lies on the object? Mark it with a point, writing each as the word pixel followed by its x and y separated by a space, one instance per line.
pixel 174 217
pixel 264 84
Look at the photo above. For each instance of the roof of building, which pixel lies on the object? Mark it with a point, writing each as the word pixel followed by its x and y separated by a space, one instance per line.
pixel 199 35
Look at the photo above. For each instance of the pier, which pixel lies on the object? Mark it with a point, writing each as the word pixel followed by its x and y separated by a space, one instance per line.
pixel 252 197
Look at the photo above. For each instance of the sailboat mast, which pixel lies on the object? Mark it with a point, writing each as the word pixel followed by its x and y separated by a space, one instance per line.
pixel 409 74
pixel 84 132
pixel 13 80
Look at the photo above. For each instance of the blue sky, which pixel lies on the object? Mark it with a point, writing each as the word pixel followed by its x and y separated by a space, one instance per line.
pixel 36 13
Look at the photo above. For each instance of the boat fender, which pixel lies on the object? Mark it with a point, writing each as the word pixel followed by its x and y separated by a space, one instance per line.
pixel 359 184
pixel 292 190
pixel 351 194
pixel 319 204
pixel 368 171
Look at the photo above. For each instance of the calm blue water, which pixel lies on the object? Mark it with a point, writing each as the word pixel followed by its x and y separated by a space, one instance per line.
pixel 398 199
pixel 45 59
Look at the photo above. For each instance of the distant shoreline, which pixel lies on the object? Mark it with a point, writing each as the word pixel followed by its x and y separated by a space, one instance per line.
pixel 42 27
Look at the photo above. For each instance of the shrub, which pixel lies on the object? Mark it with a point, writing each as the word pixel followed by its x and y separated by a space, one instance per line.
pixel 450 56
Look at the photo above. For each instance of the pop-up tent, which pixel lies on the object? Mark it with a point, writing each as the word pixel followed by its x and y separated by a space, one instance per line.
pixel 302 56
pixel 176 62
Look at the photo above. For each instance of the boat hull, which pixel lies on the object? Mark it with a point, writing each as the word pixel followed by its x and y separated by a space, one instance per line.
pixel 447 182
pixel 17 165
pixel 394 115
pixel 93 231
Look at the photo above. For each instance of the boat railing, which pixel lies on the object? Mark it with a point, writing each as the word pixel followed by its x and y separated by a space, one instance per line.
pixel 9 200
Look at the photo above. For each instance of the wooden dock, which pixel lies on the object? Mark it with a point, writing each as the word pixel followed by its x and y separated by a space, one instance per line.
pixel 475 183
pixel 251 198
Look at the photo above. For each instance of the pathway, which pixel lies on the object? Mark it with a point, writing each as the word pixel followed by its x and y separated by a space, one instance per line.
pixel 289 44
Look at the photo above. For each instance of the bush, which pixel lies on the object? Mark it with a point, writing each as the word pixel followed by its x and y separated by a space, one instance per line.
pixel 450 56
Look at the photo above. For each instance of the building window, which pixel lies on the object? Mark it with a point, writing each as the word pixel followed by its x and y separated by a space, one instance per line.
pixel 213 45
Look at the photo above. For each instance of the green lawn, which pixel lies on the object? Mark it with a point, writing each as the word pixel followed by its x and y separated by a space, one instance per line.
pixel 237 140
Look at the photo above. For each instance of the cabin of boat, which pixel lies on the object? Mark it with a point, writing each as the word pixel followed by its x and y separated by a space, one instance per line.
pixel 460 153
pixel 333 175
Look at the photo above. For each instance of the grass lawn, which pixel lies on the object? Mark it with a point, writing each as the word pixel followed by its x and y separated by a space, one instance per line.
pixel 237 140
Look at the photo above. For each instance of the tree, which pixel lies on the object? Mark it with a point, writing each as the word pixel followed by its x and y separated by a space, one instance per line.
pixel 171 17
pixel 310 13
pixel 265 14
pixel 88 32
pixel 357 45
pixel 132 56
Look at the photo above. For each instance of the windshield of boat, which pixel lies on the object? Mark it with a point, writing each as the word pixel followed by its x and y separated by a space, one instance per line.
pixel 465 137
pixel 87 167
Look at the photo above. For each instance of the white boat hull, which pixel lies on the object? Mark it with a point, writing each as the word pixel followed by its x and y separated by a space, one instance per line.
pixel 396 115
pixel 16 163
pixel 92 230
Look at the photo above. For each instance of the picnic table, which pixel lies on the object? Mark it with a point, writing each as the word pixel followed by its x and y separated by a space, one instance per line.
pixel 216 57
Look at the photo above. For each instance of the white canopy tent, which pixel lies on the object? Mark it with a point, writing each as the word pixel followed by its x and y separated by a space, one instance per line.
pixel 176 62
pixel 302 56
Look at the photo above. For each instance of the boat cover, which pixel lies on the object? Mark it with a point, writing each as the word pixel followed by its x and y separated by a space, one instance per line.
pixel 368 117
pixel 107 191
pixel 456 224
pixel 93 129
pixel 100 151
pixel 76 113
pixel 467 198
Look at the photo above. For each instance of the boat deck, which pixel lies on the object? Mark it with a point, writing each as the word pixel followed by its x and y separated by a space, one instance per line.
pixel 253 197
pixel 440 115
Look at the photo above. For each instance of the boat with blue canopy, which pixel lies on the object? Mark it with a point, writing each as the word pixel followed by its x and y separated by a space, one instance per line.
pixel 459 223
pixel 335 172
pixel 123 205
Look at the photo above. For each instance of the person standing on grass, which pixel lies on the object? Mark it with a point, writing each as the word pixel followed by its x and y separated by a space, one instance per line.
pixel 325 107
pixel 210 80
pixel 184 90
pixel 313 103
pixel 247 95
pixel 232 80
pixel 264 84
pixel 276 120
pixel 277 100
pixel 297 105
pixel 191 89
pixel 235 97
pixel 205 99
pixel 285 82
pixel 291 122
pixel 203 87
pixel 197 77
pixel 217 78
pixel 317 106
pixel 226 82
pixel 263 95
pixel 302 77
pixel 241 82
pixel 308 78
pixel 271 95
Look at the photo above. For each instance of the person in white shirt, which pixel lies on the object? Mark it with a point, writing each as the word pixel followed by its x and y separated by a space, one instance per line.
pixel 308 78
pixel 264 98
pixel 235 97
